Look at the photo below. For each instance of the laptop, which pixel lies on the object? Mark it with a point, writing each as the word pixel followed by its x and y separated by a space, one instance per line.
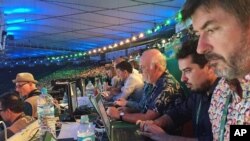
pixel 116 130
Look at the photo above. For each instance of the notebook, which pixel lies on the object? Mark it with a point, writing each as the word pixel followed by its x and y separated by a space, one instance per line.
pixel 116 130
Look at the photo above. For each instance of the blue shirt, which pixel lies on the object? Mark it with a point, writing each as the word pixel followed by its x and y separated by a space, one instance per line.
pixel 195 108
pixel 147 89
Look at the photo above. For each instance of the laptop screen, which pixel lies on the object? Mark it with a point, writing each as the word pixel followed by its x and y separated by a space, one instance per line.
pixel 72 97
pixel 98 105
pixel 104 115
pixel 93 100
pixel 120 131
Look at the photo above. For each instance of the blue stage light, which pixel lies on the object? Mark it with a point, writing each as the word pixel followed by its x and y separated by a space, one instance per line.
pixel 17 10
pixel 10 33
pixel 11 28
pixel 15 21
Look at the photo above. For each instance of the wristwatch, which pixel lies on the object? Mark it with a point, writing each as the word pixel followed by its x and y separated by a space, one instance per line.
pixel 121 115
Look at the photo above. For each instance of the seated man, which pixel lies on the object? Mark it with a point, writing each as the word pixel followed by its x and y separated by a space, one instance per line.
pixel 11 111
pixel 118 83
pixel 200 78
pixel 166 91
pixel 114 79
pixel 133 84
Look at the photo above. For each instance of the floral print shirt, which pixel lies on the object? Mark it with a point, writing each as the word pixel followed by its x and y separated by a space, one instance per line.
pixel 166 94
pixel 238 108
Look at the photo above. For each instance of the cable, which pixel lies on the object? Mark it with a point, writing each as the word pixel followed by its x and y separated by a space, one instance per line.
pixel 34 135
pixel 5 130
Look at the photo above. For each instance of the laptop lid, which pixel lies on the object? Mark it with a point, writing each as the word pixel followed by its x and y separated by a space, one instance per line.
pixel 98 105
pixel 93 100
pixel 104 116
pixel 116 130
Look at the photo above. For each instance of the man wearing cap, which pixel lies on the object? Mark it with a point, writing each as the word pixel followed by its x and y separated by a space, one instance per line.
pixel 26 87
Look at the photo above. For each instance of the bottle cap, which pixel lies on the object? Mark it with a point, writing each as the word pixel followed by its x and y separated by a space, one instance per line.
pixel 44 90
pixel 84 119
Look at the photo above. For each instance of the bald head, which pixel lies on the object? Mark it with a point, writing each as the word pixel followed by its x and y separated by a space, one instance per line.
pixel 155 57
pixel 153 64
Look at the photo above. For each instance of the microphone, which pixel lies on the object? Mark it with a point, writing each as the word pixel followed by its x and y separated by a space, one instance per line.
pixel 5 130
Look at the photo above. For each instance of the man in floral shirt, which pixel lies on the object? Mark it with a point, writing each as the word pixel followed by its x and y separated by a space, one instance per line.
pixel 223 27
pixel 165 94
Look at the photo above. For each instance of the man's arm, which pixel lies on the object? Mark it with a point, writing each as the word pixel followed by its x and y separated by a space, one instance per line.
pixel 164 121
pixel 132 118
pixel 158 134
pixel 27 109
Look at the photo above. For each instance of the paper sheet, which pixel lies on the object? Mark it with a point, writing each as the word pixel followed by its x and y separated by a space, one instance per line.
pixel 68 130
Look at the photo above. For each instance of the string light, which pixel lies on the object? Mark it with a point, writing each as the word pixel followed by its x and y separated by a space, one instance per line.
pixel 76 56
pixel 127 41
pixel 141 35
pixel 134 38
pixel 121 43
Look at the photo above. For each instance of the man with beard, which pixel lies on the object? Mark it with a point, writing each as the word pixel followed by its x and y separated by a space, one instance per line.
pixel 26 87
pixel 200 78
pixel 223 27
pixel 165 93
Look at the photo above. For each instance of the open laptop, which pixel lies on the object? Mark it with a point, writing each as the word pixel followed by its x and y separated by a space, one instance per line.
pixel 116 130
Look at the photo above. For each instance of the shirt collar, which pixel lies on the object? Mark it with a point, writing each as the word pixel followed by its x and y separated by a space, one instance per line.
pixel 244 85
pixel 160 81
pixel 211 89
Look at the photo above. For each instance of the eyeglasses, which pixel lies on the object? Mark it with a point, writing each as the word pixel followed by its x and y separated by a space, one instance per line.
pixel 21 85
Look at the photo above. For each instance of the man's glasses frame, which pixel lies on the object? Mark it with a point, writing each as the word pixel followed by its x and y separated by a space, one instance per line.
pixel 21 85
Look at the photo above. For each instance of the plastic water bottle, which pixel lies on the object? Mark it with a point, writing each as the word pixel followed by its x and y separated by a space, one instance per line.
pixel 65 98
pixel 98 86
pixel 45 111
pixel 85 130
pixel 90 89
pixel 78 92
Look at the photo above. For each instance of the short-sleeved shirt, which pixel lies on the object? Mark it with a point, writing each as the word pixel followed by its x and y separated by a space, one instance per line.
pixel 195 108
pixel 238 108
pixel 166 94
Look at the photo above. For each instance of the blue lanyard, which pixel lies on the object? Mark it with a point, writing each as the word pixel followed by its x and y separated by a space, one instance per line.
pixel 198 113
pixel 149 98
pixel 223 118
